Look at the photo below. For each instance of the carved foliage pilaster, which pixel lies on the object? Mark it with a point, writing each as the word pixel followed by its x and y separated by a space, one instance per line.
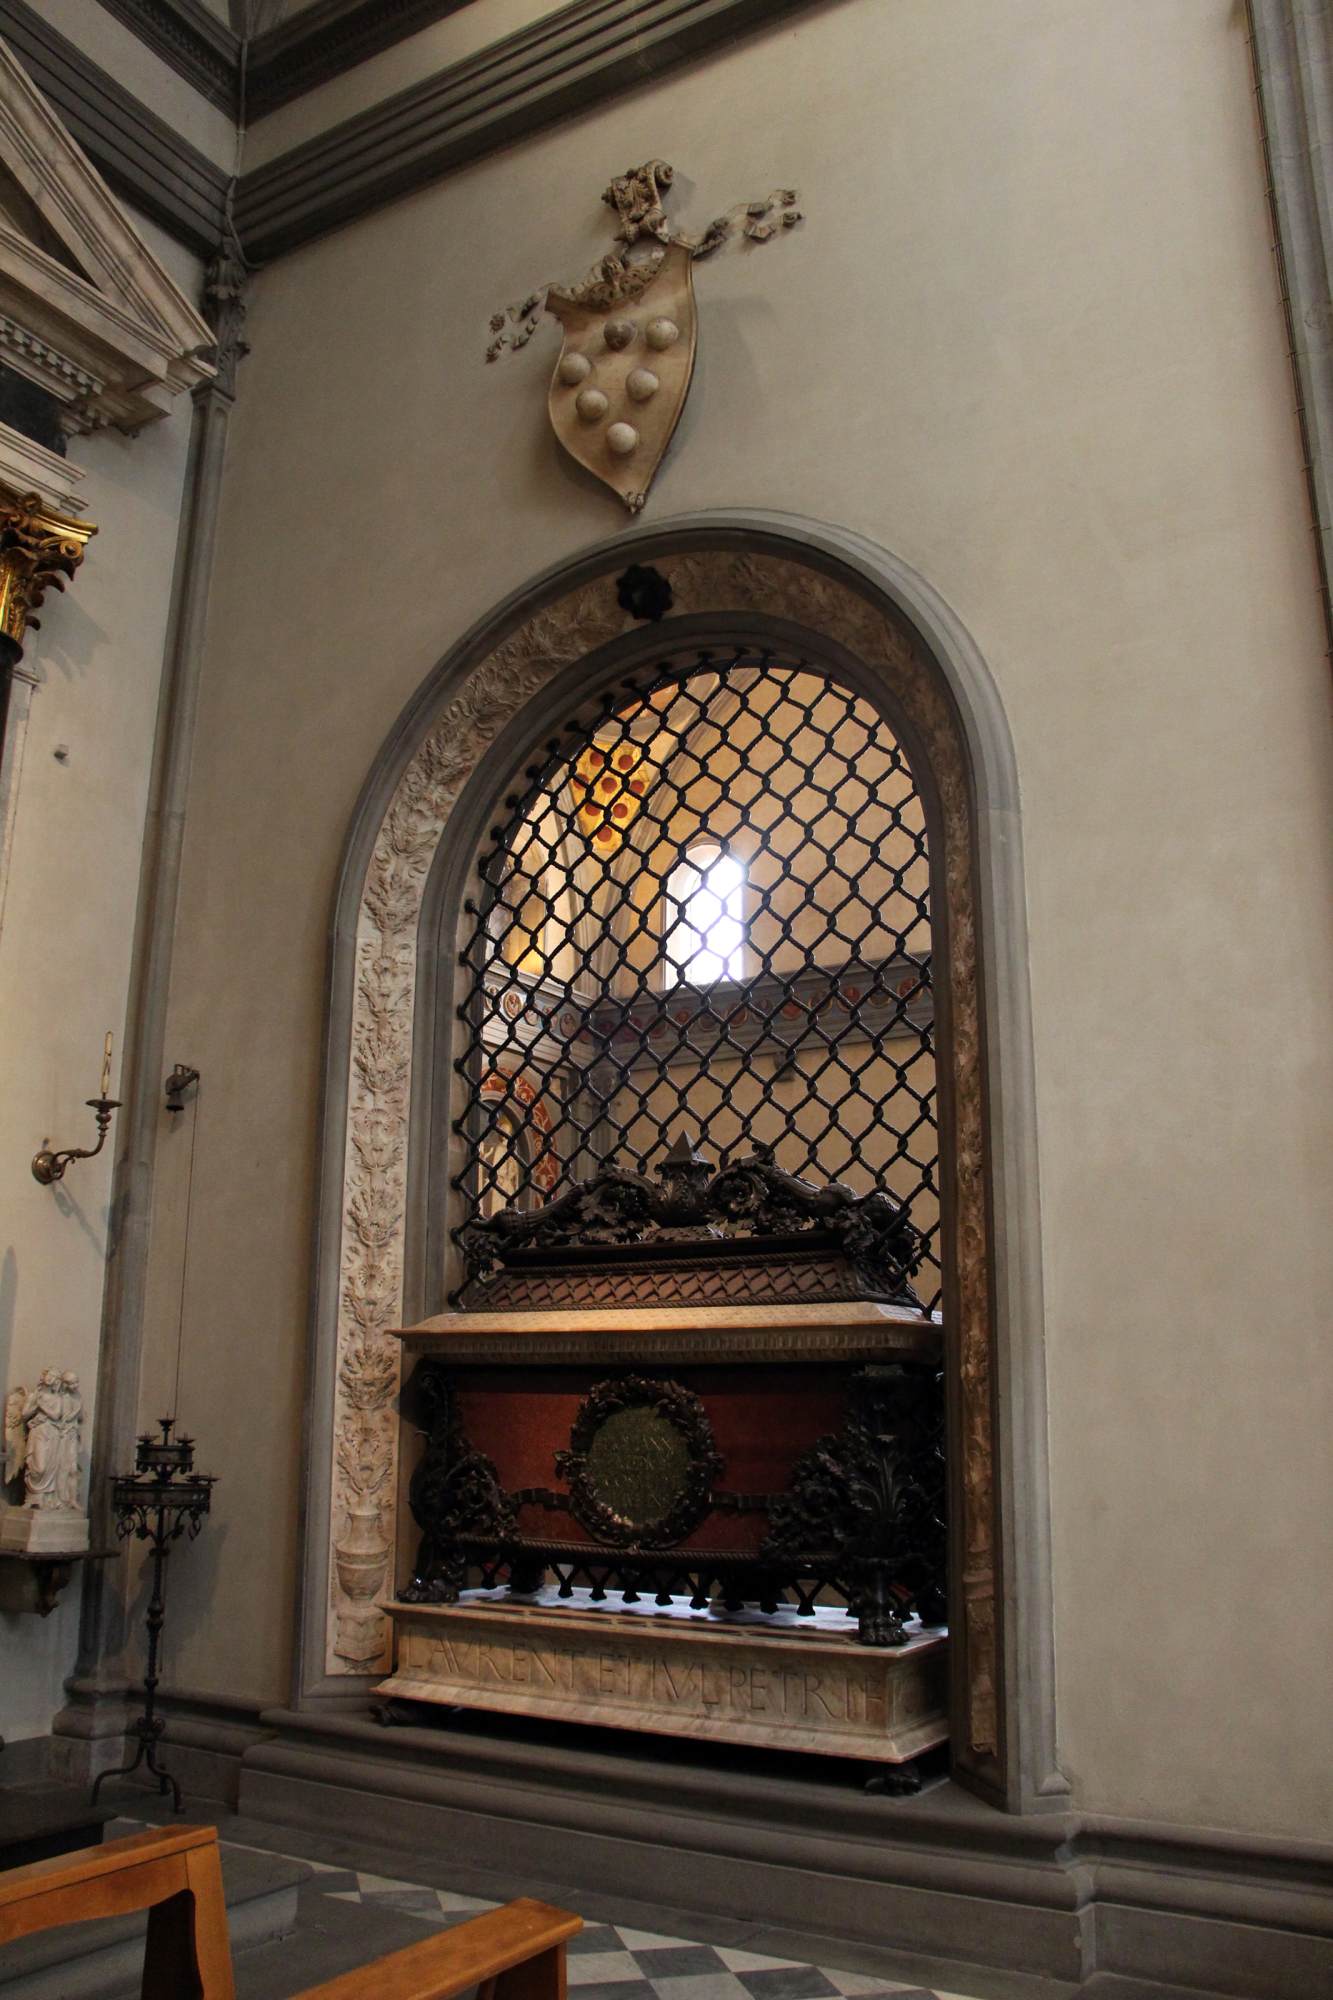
pixel 379 1080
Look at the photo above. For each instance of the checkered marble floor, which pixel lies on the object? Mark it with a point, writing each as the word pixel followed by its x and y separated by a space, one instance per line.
pixel 611 1962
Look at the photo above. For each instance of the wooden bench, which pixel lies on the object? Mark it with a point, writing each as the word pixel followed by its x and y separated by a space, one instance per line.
pixel 514 1953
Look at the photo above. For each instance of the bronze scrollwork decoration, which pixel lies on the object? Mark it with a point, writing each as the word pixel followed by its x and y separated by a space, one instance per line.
pixel 454 1491
pixel 749 1198
pixel 673 1468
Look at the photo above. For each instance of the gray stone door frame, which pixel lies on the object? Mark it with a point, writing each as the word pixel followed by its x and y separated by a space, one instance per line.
pixel 380 1093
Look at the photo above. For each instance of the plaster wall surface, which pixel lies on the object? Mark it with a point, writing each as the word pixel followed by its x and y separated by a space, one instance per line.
pixel 1030 340
pixel 68 928
pixel 446 41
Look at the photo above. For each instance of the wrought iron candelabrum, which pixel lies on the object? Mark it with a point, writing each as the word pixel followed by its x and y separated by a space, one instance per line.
pixel 161 1500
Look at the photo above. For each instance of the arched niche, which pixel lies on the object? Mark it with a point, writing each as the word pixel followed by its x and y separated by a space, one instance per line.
pixel 448 760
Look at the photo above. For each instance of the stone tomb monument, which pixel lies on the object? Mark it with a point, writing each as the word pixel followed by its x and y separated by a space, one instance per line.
pixel 684 1473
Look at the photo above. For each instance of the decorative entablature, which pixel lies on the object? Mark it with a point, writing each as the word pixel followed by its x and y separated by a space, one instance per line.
pixel 86 311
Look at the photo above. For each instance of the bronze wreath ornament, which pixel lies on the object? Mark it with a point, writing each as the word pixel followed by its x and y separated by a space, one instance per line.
pixel 641 1463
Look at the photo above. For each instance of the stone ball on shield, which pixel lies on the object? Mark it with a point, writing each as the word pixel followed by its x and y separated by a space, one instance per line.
pixel 591 405
pixel 619 333
pixel 573 369
pixel 641 383
pixel 622 439
pixel 661 334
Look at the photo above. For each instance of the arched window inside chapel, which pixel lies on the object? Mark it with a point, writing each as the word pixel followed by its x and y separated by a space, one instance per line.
pixel 706 910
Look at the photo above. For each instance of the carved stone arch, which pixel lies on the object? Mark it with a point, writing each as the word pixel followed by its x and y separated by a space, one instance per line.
pixel 445 763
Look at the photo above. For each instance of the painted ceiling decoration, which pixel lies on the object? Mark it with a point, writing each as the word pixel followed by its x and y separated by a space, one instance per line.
pixel 615 773
pixel 609 788
pixel 631 330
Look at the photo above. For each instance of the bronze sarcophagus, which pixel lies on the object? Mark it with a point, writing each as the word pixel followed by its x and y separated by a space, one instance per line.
pixel 714 1397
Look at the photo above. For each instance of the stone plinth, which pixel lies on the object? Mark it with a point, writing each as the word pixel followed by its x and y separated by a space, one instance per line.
pixel 44 1531
pixel 787 1684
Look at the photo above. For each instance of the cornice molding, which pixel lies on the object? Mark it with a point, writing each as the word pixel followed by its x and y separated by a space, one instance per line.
pixel 186 34
pixel 579 57
pixel 570 62
pixel 27 467
pixel 284 62
pixel 145 161
pixel 322 41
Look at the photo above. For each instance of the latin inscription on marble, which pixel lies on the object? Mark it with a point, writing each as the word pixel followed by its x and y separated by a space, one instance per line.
pixel 839 1698
pixel 649 1680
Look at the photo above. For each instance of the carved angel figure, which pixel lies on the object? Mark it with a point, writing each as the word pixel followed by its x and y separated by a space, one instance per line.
pixel 11 1466
pixel 67 1444
pixel 42 1418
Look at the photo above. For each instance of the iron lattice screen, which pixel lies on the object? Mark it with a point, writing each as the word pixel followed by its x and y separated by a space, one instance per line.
pixel 708 911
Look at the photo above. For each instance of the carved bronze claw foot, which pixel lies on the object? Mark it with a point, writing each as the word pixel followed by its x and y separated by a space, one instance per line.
pixel 895 1781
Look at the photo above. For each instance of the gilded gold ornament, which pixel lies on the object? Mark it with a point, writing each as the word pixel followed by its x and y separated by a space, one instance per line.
pixel 39 549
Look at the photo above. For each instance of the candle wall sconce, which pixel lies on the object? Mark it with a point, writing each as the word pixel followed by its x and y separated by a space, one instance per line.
pixel 49 1166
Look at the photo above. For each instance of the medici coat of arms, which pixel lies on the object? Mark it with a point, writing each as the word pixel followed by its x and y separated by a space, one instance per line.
pixel 631 330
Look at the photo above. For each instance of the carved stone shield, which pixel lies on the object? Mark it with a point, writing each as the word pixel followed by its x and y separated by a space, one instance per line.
pixel 625 366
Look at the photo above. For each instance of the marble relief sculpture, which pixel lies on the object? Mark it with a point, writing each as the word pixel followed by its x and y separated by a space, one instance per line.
pixel 43 1431
pixel 631 329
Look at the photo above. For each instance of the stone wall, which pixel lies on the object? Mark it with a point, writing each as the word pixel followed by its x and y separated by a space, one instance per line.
pixel 1030 340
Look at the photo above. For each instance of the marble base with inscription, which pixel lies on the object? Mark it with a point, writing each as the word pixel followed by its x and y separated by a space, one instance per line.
pixel 782 1682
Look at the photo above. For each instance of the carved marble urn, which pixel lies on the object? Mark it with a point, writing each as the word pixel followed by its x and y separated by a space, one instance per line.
pixel 362 1558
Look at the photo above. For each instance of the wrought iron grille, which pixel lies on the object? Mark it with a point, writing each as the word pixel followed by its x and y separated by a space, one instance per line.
pixel 708 910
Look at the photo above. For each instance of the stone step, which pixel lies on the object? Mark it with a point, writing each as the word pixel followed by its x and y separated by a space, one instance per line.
pixel 103 1959
pixel 37 1821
